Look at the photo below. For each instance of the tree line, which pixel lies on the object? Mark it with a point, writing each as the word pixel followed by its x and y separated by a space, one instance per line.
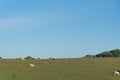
pixel 112 53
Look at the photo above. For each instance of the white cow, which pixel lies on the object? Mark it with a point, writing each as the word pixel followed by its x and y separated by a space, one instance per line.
pixel 31 65
pixel 22 59
pixel 117 72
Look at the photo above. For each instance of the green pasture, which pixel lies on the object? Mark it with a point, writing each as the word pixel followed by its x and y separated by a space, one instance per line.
pixel 60 69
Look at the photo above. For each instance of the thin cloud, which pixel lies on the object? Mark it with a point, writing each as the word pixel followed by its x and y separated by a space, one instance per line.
pixel 24 21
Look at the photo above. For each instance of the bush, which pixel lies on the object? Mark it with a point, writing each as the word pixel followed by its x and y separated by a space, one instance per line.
pixel 112 53
pixel 29 58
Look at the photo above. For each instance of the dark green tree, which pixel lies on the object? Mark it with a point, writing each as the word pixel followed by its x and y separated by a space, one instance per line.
pixel 115 53
pixel 112 53
pixel 29 58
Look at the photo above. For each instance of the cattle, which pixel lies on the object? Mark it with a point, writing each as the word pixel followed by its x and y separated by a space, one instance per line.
pixel 117 72
pixel 22 59
pixel 45 62
pixel 31 65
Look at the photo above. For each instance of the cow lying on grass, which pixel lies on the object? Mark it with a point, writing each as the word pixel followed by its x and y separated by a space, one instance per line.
pixel 31 65
pixel 117 72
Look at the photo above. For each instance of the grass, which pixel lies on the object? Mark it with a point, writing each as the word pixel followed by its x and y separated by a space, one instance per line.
pixel 60 69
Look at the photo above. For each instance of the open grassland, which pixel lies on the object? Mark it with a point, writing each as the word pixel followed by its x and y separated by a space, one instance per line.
pixel 60 69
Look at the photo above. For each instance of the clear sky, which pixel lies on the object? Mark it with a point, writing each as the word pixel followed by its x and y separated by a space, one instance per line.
pixel 58 28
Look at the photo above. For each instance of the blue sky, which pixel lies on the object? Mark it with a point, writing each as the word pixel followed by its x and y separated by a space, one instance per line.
pixel 58 28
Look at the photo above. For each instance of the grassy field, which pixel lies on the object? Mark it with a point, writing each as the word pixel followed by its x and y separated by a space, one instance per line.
pixel 60 69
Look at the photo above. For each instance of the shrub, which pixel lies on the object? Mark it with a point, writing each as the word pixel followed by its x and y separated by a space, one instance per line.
pixel 29 58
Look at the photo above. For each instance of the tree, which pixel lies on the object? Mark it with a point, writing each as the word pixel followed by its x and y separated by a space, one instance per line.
pixel 0 57
pixel 105 54
pixel 89 56
pixel 29 58
pixel 112 53
pixel 116 52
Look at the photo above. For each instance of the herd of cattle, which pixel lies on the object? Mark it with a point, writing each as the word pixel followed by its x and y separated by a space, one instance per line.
pixel 116 72
pixel 31 65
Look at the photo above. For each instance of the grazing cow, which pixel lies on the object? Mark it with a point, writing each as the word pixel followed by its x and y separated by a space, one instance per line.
pixel 22 59
pixel 31 65
pixel 117 72
pixel 45 62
